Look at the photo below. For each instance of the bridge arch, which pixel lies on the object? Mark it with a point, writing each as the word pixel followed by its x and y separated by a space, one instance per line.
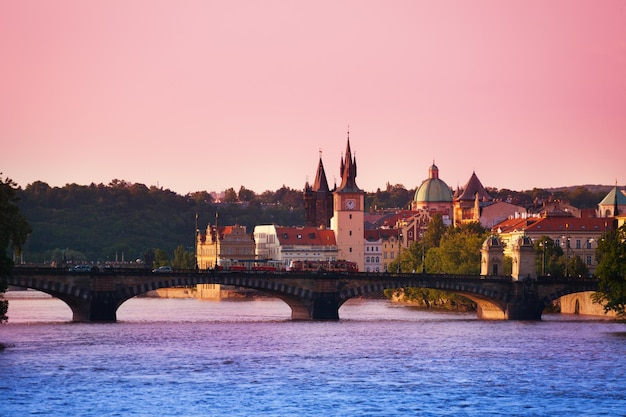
pixel 491 301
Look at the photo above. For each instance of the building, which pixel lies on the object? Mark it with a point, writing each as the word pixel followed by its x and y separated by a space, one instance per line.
pixel 468 200
pixel 390 247
pixel 318 200
pixel 613 204
pixel 434 196
pixel 494 212
pixel 223 242
pixel 348 217
pixel 286 244
pixel 575 235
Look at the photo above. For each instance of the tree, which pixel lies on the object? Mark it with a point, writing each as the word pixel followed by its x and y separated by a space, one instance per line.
pixel 611 271
pixel 183 259
pixel 245 194
pixel 577 268
pixel 459 250
pixel 160 258
pixel 230 196
pixel 434 231
pixel 549 259
pixel 14 229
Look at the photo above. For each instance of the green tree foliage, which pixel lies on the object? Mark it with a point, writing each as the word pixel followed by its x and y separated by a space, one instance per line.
pixel 14 229
pixel 123 220
pixel 434 231
pixel 455 251
pixel 183 259
pixel 577 267
pixel 245 194
pixel 160 258
pixel 394 196
pixel 549 259
pixel 459 251
pixel 230 196
pixel 611 271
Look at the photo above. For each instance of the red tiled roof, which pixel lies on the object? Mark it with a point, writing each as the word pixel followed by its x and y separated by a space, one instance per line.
pixel 305 236
pixel 554 224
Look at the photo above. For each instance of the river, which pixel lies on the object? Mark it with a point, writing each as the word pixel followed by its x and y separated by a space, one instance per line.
pixel 188 357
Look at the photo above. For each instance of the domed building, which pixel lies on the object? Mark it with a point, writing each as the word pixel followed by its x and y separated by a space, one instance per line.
pixel 434 196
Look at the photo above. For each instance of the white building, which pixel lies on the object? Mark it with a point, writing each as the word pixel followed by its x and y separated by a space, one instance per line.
pixel 294 243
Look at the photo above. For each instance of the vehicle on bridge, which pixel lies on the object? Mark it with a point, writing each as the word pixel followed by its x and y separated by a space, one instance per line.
pixel 324 266
pixel 251 265
pixel 81 268
pixel 163 269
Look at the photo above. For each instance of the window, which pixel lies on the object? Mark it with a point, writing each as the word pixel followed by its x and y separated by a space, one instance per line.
pixel 588 244
pixel 588 259
pixel 578 244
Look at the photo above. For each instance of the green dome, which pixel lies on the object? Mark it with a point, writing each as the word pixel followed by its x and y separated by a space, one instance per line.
pixel 433 189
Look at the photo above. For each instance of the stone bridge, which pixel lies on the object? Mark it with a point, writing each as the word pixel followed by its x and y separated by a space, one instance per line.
pixel 96 296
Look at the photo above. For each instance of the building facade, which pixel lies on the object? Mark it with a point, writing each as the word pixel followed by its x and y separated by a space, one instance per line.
pixel 223 242
pixel 286 244
pixel 468 200
pixel 575 235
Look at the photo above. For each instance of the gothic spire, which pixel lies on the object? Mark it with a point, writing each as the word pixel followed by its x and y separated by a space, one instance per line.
pixel 320 183
pixel 348 171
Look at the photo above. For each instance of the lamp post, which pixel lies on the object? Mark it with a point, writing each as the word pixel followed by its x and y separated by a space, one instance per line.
pixel 566 250
pixel 422 241
pixel 399 248
pixel 588 243
pixel 543 244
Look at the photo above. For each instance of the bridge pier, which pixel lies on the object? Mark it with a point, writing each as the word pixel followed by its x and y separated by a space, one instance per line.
pixel 326 307
pixel 529 309
pixel 103 309
pixel 525 304
pixel 96 309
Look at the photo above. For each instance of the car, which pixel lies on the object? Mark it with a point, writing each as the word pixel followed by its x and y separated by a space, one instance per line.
pixel 163 269
pixel 81 268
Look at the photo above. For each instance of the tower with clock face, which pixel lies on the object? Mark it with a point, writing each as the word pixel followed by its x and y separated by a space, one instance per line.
pixel 348 215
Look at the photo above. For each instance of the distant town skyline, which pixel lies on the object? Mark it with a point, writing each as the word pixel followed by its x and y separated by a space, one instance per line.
pixel 205 96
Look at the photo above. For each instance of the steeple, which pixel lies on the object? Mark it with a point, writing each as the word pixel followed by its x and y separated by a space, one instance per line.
pixel 348 171
pixel 320 183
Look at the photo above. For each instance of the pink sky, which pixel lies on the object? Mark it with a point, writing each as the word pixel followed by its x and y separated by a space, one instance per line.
pixel 207 95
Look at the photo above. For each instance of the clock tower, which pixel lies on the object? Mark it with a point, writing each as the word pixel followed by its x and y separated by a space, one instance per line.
pixel 348 216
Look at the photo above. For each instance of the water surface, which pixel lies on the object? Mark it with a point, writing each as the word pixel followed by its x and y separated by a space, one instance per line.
pixel 187 357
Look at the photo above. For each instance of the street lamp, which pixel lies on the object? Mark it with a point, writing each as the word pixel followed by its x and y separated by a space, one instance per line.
pixel 422 241
pixel 566 237
pixel 543 244
pixel 588 243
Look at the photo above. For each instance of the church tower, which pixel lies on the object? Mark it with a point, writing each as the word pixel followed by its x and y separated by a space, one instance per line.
pixel 348 216
pixel 318 200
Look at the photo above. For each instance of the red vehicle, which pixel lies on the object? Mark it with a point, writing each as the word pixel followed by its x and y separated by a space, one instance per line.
pixel 324 266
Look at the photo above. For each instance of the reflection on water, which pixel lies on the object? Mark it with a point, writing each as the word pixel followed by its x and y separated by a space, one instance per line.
pixel 197 358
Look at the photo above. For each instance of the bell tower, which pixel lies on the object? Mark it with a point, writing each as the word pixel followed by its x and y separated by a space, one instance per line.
pixel 348 215
pixel 318 200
